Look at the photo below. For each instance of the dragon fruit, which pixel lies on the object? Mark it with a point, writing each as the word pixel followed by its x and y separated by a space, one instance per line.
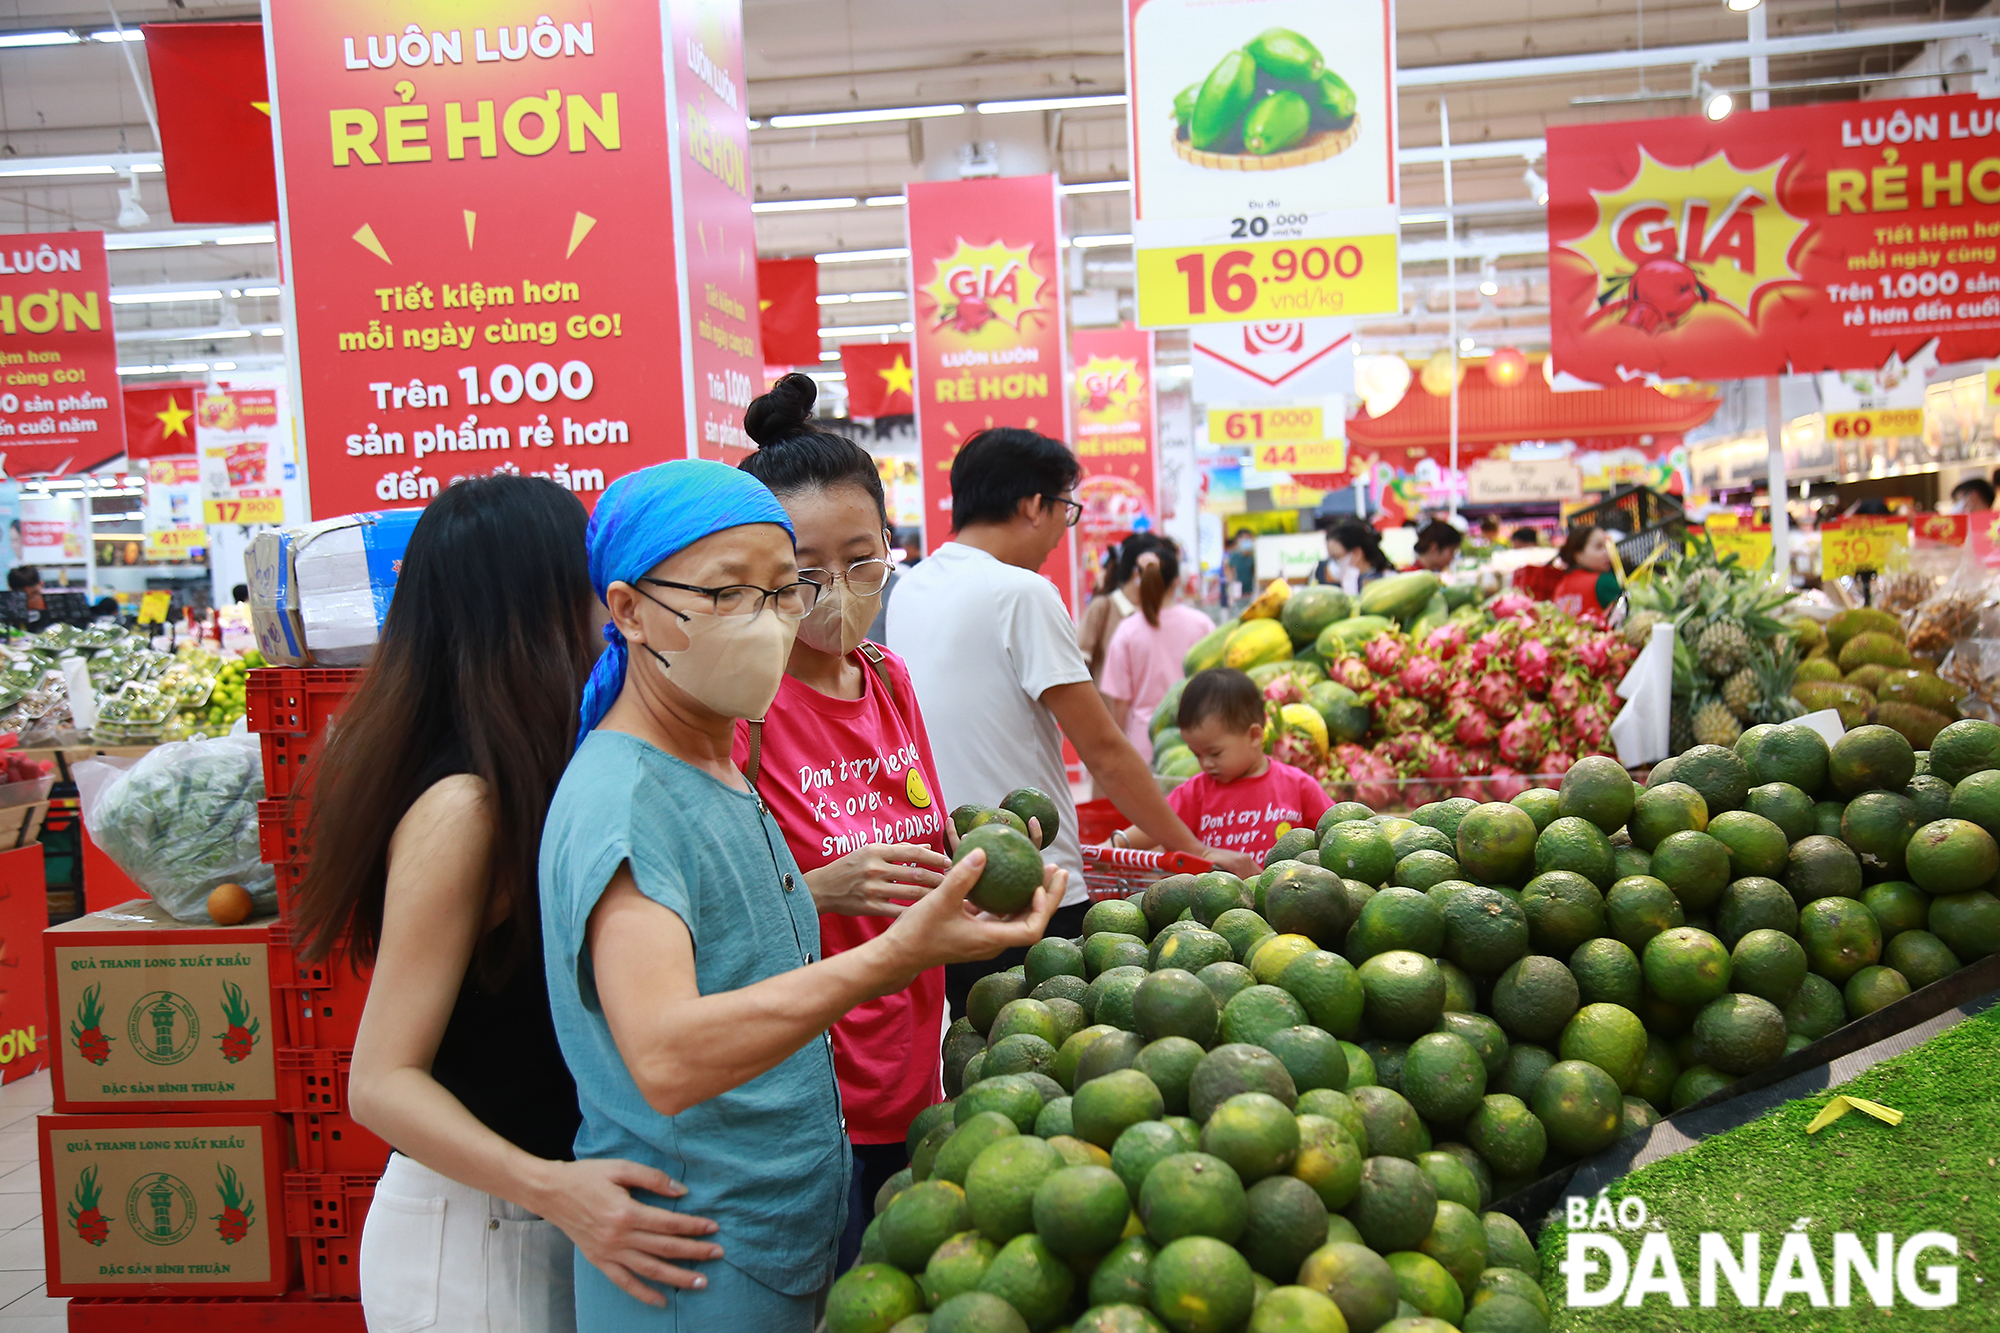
pixel 1385 653
pixel 1351 672
pixel 1594 654
pixel 1566 690
pixel 1558 762
pixel 1497 693
pixel 1443 764
pixel 1446 640
pixel 1591 725
pixel 1512 606
pixel 1472 726
pixel 1423 677
pixel 1285 689
pixel 1301 740
pixel 1522 743
pixel 1504 784
pixel 1374 777
pixel 1401 715
pixel 1531 664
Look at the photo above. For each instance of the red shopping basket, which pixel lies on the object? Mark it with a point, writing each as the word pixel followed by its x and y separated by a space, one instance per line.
pixel 1119 872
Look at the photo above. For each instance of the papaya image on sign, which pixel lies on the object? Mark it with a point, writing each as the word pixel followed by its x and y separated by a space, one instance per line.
pixel 1271 104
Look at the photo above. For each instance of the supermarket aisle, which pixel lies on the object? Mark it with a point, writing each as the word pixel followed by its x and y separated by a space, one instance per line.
pixel 24 1307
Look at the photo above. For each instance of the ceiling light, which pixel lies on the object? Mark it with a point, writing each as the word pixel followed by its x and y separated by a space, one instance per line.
pixel 800 205
pixel 826 376
pixel 248 238
pixel 155 298
pixel 1744 6
pixel 260 291
pixel 1092 242
pixel 1466 344
pixel 1538 188
pixel 829 356
pixel 142 370
pixel 1422 219
pixel 1715 105
pixel 12 39
pixel 118 35
pixel 817 118
pixel 862 256
pixel 1489 280
pixel 63 171
pixel 885 201
pixel 754 123
pixel 831 298
pixel 222 365
pixel 1050 104
pixel 859 298
pixel 273 331
pixel 1098 187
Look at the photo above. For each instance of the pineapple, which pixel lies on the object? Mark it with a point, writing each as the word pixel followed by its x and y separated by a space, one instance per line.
pixel 1714 724
pixel 1741 693
pixel 1638 631
pixel 1723 648
pixel 1680 727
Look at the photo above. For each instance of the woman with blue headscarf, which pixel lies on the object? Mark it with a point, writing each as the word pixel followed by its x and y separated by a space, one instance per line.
pixel 681 940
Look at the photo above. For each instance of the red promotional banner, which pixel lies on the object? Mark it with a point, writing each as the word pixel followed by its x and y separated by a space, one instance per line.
pixel 60 407
pixel 499 235
pixel 985 266
pixel 215 120
pixel 160 420
pixel 1845 236
pixel 1112 392
pixel 788 297
pixel 880 379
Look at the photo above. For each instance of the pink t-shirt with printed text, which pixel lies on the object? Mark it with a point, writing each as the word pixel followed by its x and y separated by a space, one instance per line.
pixel 839 774
pixel 1243 816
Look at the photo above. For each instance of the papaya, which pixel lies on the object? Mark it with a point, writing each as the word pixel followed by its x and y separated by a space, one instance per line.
pixel 1284 54
pixel 1348 636
pixel 1311 609
pixel 1224 98
pixel 1398 596
pixel 1207 651
pixel 1255 643
pixel 1269 602
pixel 1276 123
pixel 1184 106
pixel 1333 101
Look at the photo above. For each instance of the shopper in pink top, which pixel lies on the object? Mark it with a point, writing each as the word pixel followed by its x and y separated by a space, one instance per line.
pixel 1144 659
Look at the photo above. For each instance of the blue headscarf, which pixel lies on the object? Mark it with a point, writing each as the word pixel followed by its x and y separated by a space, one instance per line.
pixel 648 515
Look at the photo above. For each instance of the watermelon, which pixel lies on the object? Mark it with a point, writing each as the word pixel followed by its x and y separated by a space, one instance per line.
pixel 1347 718
pixel 1434 614
pixel 1347 636
pixel 1166 710
pixel 1311 609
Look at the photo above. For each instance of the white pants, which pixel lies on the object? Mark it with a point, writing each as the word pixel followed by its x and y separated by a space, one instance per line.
pixel 436 1254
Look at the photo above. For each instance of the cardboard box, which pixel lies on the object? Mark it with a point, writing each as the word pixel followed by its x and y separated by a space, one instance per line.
pixel 164 1205
pixel 318 594
pixel 155 1015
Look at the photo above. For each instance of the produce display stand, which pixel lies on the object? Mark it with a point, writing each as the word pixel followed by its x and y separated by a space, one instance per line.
pixel 1530 1204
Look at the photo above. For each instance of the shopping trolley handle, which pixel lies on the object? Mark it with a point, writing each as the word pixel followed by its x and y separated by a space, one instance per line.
pixel 1132 858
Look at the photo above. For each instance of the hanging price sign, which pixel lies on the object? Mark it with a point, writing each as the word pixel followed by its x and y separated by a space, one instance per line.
pixel 1751 545
pixel 1305 456
pixel 1848 548
pixel 1880 421
pixel 153 607
pixel 264 509
pixel 1268 282
pixel 1254 425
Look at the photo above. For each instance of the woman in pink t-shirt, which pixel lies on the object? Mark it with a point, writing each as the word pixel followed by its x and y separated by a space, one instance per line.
pixel 843 761
pixel 1144 659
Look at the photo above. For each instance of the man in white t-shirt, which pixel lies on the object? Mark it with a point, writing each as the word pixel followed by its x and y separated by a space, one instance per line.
pixel 998 673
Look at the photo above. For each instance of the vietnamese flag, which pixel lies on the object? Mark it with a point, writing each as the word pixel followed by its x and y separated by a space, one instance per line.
pixel 215 120
pixel 880 379
pixel 159 420
pixel 788 302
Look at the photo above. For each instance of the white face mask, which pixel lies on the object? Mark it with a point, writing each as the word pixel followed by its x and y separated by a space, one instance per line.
pixel 840 619
pixel 732 665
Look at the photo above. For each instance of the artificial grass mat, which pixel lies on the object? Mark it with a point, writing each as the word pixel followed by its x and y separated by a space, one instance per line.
pixel 1936 1171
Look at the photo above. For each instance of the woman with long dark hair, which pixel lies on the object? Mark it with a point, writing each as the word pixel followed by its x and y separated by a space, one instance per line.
pixel 428 804
pixel 1147 652
pixel 1353 556
pixel 875 838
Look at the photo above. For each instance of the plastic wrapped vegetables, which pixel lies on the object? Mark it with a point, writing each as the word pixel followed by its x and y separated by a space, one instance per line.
pixel 183 820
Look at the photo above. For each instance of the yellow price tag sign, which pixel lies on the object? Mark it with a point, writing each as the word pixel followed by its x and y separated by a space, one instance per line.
pixel 1993 386
pixel 263 509
pixel 1893 421
pixel 1749 544
pixel 1304 456
pixel 1296 497
pixel 153 607
pixel 1267 281
pixel 178 539
pixel 1254 425
pixel 1850 548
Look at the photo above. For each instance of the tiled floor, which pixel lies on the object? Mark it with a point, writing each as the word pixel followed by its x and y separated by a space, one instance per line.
pixel 25 1306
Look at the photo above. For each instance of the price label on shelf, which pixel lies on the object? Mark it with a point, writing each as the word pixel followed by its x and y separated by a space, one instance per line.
pixel 1850 547
pixel 1268 281
pixel 1304 456
pixel 153 607
pixel 264 509
pixel 1751 545
pixel 1255 425
pixel 1890 421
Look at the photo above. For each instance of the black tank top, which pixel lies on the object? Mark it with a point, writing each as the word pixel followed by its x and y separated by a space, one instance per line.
pixel 499 1054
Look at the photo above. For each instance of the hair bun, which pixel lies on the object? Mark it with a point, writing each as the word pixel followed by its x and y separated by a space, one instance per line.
pixel 783 412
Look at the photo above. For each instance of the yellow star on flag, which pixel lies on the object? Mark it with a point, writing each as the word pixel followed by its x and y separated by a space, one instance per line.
pixel 174 419
pixel 897 378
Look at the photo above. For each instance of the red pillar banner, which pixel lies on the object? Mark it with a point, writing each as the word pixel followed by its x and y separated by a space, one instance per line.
pixel 1113 394
pixel 500 236
pixel 985 266
pixel 60 405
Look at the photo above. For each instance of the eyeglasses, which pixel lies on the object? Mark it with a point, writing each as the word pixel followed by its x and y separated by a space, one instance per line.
pixel 864 578
pixel 791 602
pixel 1075 509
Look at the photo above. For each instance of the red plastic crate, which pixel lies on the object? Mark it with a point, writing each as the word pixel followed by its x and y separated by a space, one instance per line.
pixel 284 825
pixel 330 1142
pixel 286 763
pixel 327 1213
pixel 325 1020
pixel 290 875
pixel 297 701
pixel 313 1080
pixel 296 1313
pixel 331 1265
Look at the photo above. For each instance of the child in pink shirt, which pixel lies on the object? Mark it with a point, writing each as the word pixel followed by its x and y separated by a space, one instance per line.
pixel 1242 796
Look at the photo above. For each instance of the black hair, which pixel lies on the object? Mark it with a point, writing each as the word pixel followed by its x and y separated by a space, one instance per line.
pixel 1355 535
pixel 23 577
pixel 240 593
pixel 794 456
pixel 1002 466
pixel 1979 486
pixel 1872 506
pixel 1221 694
pixel 1437 535
pixel 105 606
pixel 1526 537
pixel 1154 578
